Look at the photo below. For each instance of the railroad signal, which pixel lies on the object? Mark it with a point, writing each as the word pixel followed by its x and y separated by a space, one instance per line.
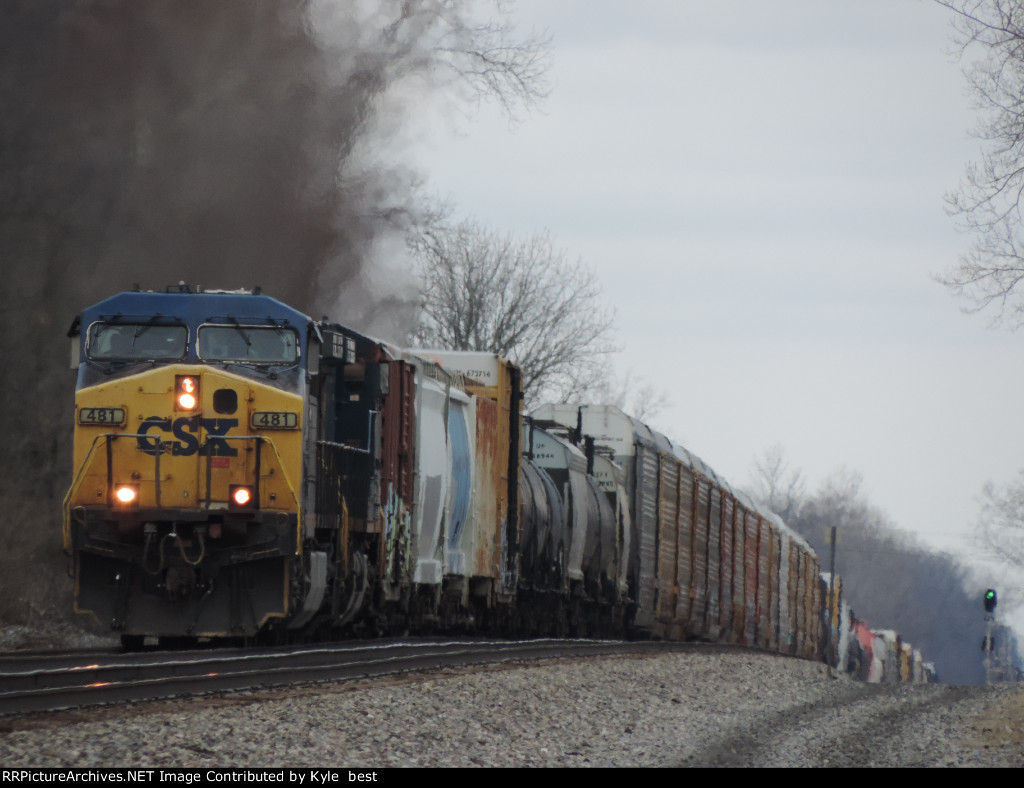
pixel 990 600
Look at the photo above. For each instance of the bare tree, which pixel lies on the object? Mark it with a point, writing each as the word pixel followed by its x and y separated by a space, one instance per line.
pixel 776 484
pixel 999 532
pixel 987 203
pixel 632 394
pixel 488 57
pixel 521 298
pixel 1000 523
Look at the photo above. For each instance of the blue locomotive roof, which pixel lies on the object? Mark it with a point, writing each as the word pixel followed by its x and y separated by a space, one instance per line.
pixel 195 308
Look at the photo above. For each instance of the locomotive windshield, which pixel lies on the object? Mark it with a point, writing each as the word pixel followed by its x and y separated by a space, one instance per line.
pixel 248 344
pixel 142 341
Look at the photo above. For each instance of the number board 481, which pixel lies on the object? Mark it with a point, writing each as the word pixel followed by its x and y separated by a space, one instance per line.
pixel 274 420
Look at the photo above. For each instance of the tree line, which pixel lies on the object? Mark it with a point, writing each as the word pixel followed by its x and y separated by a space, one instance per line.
pixel 889 577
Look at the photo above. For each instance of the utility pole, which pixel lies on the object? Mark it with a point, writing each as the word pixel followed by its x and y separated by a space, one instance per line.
pixel 833 603
pixel 832 566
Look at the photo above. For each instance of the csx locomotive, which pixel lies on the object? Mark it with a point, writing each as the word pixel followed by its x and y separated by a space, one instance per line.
pixel 242 471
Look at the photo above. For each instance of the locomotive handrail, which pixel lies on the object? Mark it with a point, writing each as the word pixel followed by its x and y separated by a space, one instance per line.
pixel 370 416
pixel 79 476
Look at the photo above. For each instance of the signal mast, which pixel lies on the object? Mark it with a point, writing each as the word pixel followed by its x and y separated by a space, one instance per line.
pixel 990 600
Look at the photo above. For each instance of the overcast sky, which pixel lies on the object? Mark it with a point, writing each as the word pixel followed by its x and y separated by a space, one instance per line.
pixel 759 187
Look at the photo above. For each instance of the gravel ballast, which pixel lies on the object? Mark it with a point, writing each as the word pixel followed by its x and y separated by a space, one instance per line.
pixel 653 711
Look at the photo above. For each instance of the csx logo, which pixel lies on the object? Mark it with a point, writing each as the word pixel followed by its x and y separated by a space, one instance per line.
pixel 185 430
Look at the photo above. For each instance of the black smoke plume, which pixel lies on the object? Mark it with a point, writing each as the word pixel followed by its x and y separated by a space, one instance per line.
pixel 225 144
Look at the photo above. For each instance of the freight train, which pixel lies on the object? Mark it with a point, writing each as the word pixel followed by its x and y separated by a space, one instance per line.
pixel 244 472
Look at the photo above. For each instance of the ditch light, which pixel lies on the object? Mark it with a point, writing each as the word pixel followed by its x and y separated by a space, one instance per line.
pixel 241 497
pixel 126 494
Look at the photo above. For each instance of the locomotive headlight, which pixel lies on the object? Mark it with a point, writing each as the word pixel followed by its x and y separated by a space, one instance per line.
pixel 186 392
pixel 241 496
pixel 126 494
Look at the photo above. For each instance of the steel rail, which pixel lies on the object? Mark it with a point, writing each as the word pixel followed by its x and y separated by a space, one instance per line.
pixel 149 676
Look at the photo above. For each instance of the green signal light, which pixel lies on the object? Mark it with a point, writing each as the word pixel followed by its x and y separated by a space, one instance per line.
pixel 990 600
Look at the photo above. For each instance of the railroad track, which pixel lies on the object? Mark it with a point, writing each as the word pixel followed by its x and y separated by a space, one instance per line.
pixel 73 680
